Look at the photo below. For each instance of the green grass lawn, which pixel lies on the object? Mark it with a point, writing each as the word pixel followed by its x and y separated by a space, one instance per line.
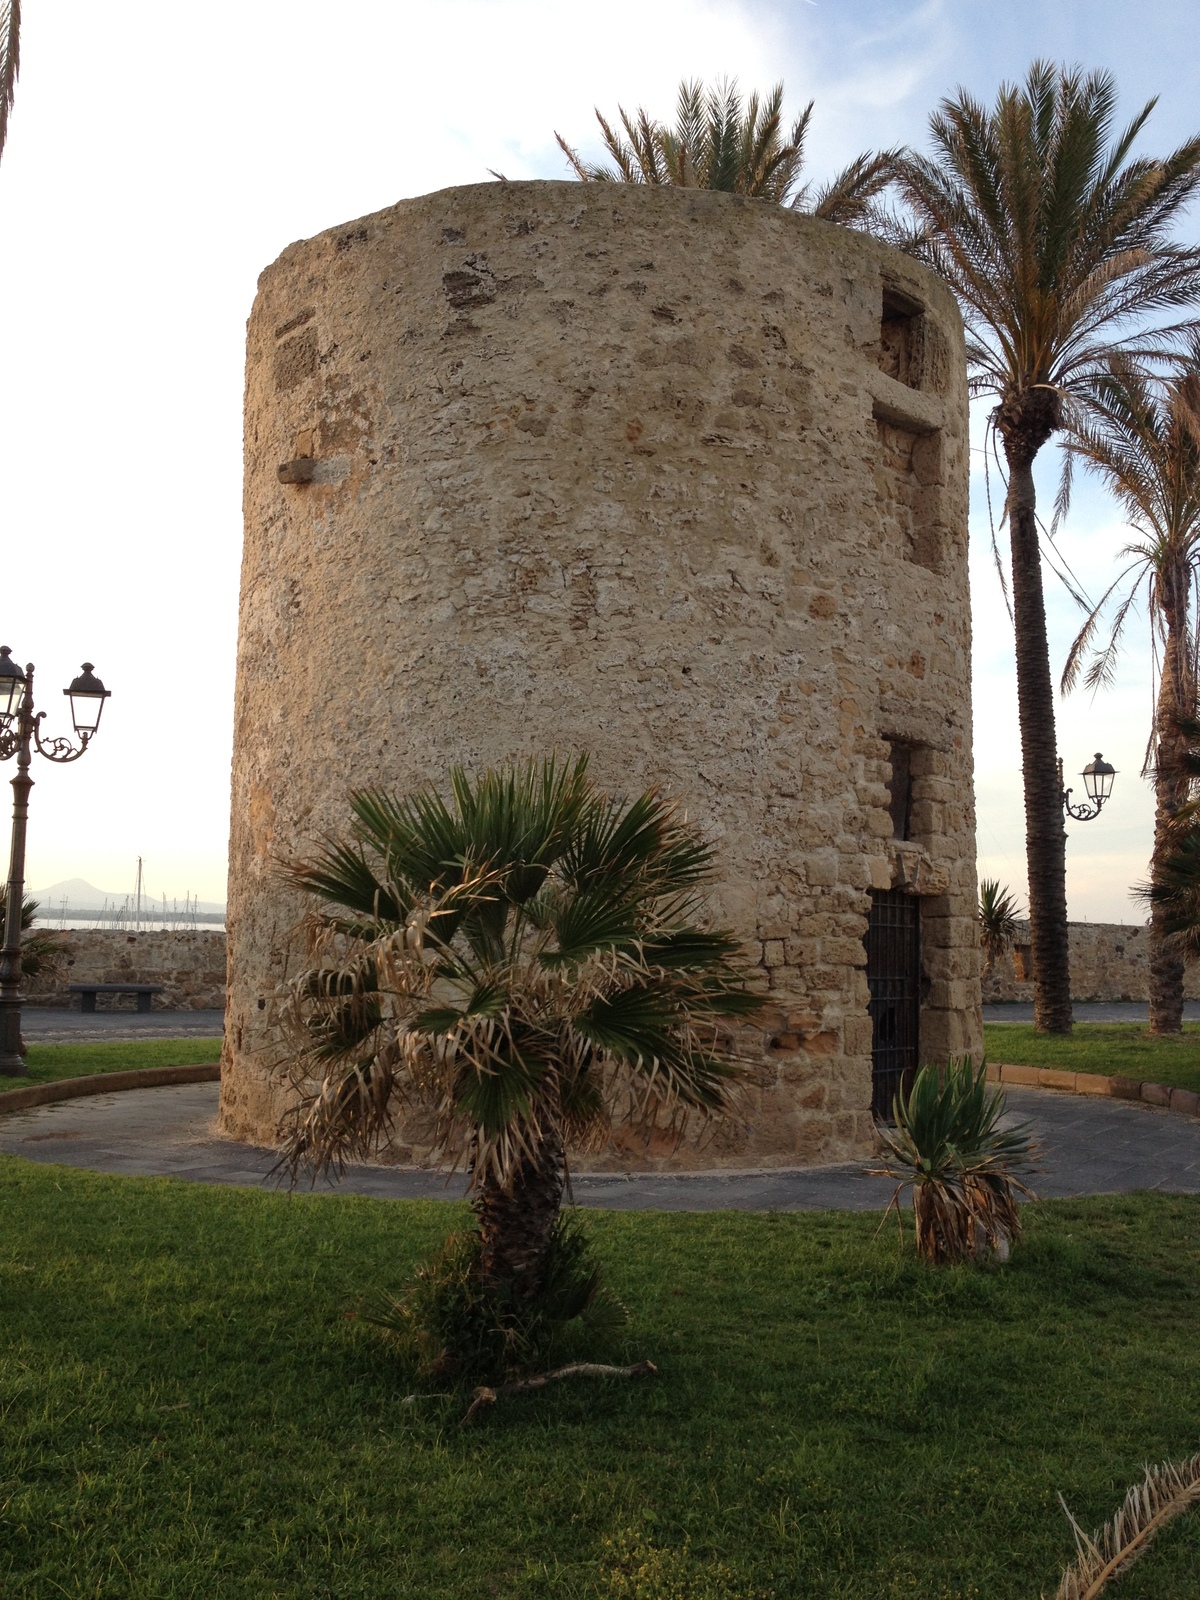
pixel 189 1413
pixel 1124 1049
pixel 49 1062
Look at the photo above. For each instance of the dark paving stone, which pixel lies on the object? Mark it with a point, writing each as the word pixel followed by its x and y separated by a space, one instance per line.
pixel 1089 1147
pixel 54 1025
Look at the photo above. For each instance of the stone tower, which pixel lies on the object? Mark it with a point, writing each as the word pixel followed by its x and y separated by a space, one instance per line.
pixel 666 475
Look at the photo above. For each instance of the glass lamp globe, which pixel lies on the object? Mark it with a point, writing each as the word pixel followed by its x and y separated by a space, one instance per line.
pixel 87 696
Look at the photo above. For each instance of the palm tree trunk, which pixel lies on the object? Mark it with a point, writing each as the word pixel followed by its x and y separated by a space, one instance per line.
pixel 1176 699
pixel 1045 837
pixel 516 1223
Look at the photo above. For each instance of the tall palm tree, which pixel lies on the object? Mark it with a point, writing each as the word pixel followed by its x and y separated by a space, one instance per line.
pixel 524 963
pixel 1143 438
pixel 1174 892
pixel 720 141
pixel 1057 242
pixel 10 60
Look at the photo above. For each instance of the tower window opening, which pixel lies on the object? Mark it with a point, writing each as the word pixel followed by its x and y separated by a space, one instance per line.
pixel 900 786
pixel 901 338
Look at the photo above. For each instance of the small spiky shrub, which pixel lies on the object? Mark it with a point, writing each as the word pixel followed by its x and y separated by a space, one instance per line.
pixel 962 1165
pixel 451 1323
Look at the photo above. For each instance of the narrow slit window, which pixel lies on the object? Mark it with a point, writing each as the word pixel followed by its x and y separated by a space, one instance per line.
pixel 900 789
pixel 901 338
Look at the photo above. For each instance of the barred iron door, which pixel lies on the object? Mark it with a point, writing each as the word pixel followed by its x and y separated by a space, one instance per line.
pixel 893 977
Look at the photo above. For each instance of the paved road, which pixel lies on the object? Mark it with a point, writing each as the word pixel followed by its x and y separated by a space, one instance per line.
pixel 47 1025
pixel 50 1025
pixel 1090 1011
pixel 1091 1147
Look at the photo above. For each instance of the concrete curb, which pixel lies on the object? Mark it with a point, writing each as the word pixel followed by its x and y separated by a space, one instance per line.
pixel 44 1094
pixel 1184 1102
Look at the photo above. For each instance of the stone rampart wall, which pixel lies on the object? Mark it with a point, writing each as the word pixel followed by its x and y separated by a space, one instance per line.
pixel 190 966
pixel 1109 961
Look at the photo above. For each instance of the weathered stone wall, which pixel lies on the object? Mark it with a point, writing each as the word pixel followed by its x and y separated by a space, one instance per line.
pixel 1109 961
pixel 190 967
pixel 665 475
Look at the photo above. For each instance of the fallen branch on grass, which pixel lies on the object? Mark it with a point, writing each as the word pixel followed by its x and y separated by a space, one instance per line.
pixel 1167 1491
pixel 485 1397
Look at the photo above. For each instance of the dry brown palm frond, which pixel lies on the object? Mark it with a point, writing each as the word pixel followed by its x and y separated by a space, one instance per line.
pixel 1165 1493
pixel 10 60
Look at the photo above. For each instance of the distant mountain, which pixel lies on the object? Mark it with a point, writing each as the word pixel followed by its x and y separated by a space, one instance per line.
pixel 83 896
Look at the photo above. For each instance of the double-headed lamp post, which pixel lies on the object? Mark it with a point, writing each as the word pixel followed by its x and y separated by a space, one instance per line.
pixel 20 735
pixel 1097 780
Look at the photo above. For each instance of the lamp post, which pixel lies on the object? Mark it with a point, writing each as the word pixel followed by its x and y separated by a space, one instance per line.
pixel 20 735
pixel 1097 780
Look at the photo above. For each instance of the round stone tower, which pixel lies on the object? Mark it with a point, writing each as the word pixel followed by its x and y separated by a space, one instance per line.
pixel 665 475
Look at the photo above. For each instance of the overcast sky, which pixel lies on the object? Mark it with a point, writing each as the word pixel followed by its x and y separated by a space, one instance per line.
pixel 161 155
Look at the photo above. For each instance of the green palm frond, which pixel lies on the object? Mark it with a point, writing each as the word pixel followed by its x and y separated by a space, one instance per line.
pixel 39 947
pixel 513 958
pixel 1176 888
pixel 722 141
pixel 1055 239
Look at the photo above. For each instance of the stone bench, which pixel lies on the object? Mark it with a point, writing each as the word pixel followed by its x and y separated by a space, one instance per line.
pixel 89 991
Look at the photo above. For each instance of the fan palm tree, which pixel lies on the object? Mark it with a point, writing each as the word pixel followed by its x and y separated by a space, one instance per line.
pixel 37 947
pixel 720 141
pixel 998 917
pixel 1143 439
pixel 523 963
pixel 1057 242
pixel 10 60
pixel 1176 894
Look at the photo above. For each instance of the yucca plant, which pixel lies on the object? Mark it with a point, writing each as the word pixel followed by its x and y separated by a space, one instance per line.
pixel 520 965
pixel 998 918
pixel 962 1165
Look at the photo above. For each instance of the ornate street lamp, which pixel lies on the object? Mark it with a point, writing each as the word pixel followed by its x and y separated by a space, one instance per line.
pixel 1097 780
pixel 20 735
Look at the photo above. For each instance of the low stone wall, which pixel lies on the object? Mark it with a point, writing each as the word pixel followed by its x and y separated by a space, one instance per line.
pixel 1109 961
pixel 190 967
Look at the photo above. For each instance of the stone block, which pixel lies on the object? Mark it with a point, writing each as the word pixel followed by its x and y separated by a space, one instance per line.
pixel 1126 1088
pixel 1156 1094
pixel 1021 1077
pixel 1095 1083
pixel 1185 1102
pixel 1052 1078
pixel 821 868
